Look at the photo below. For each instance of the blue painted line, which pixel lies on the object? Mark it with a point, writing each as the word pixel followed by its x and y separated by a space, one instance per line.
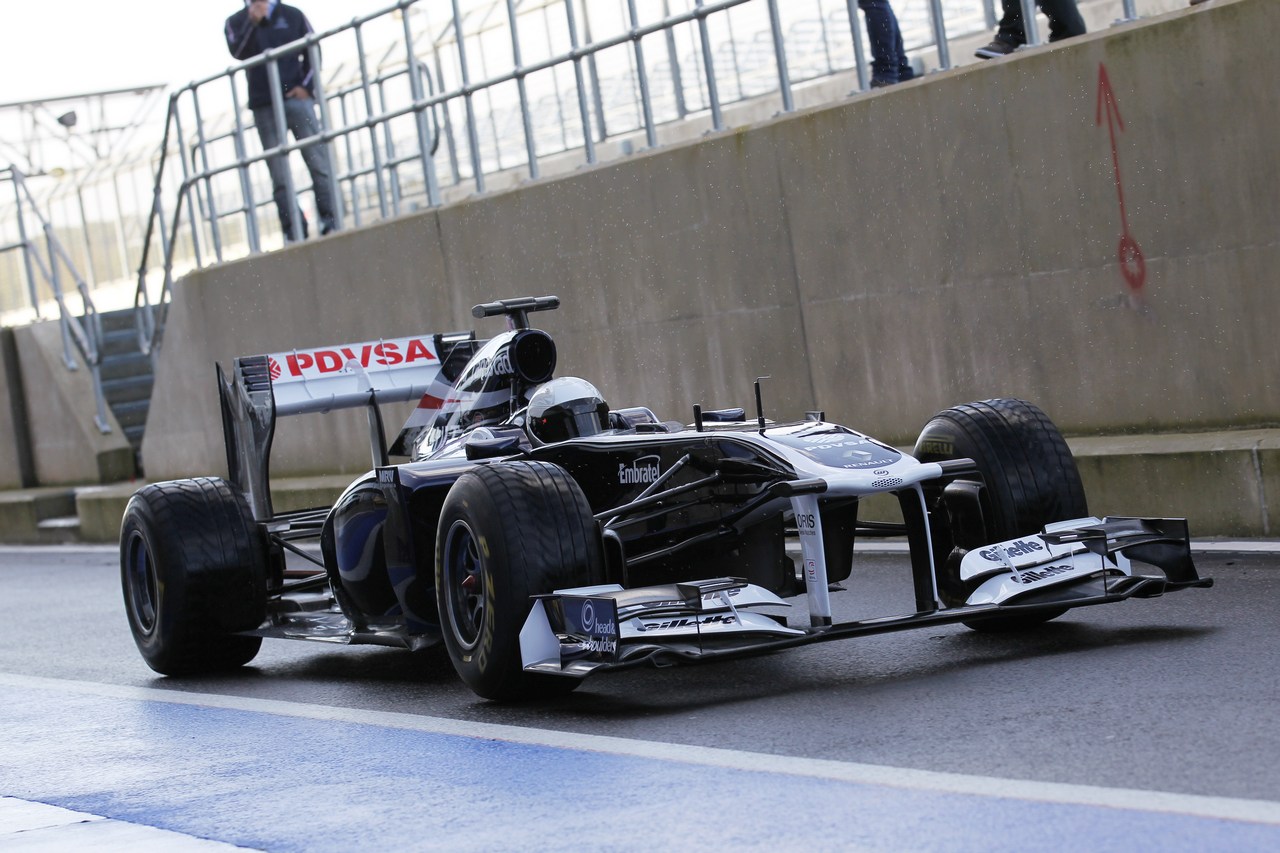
pixel 284 781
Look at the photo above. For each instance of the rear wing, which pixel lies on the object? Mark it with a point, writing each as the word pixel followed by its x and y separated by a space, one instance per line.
pixel 261 388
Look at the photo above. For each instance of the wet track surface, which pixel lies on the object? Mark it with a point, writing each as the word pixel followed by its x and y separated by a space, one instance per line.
pixel 1174 695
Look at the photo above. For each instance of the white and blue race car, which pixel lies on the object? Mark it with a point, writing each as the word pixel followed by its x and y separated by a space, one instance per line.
pixel 543 536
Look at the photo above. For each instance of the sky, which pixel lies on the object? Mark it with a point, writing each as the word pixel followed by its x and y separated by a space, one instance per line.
pixel 69 47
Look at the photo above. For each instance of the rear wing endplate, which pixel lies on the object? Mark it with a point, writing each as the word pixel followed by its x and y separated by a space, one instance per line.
pixel 261 388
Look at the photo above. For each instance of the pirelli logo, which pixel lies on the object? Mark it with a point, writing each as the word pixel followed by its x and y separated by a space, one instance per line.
pixel 937 447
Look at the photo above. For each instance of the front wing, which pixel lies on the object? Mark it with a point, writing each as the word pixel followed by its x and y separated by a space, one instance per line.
pixel 577 632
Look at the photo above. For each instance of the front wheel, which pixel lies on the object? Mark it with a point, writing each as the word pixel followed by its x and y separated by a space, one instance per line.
pixel 1029 479
pixel 193 571
pixel 508 531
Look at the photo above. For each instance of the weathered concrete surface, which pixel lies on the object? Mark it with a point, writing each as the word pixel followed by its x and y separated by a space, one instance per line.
pixel 880 258
pixel 1225 483
pixel 22 510
pixel 67 448
pixel 11 442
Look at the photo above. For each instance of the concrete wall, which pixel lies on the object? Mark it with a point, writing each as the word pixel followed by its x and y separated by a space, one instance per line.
pixel 67 448
pixel 13 439
pixel 880 258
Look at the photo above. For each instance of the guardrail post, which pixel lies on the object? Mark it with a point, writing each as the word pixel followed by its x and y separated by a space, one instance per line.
pixel 940 40
pixel 426 148
pixel 642 78
pixel 282 140
pixel 1029 23
pixel 588 144
pixel 473 138
pixel 526 119
pixel 780 55
pixel 202 146
pixel 313 55
pixel 709 69
pixel 859 53
pixel 27 248
pixel 677 84
pixel 242 169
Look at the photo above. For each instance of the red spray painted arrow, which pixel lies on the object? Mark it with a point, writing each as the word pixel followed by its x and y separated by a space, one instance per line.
pixel 1132 265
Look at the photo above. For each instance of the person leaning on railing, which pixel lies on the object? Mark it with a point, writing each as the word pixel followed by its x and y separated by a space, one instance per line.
pixel 260 26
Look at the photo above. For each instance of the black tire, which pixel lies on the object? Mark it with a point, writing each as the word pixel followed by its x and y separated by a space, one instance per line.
pixel 1029 479
pixel 508 531
pixel 193 569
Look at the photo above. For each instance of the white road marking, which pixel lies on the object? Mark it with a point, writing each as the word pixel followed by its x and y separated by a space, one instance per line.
pixel 38 826
pixel 1223 808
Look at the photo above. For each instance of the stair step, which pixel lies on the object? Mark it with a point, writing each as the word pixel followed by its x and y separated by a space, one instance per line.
pixel 124 366
pixel 132 413
pixel 127 389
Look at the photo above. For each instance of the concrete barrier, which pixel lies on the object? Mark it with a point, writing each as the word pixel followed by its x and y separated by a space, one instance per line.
pixel 66 447
pixel 880 258
pixel 15 442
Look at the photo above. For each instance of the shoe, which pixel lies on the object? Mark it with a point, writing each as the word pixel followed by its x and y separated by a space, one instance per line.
pixel 998 47
pixel 327 226
pixel 881 83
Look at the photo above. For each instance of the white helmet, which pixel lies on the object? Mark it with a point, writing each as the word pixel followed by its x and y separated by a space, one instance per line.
pixel 567 408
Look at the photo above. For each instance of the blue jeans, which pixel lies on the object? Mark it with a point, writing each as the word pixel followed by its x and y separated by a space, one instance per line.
pixel 888 58
pixel 300 116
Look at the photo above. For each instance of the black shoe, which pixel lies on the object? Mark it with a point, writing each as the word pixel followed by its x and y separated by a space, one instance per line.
pixel 287 228
pixel 327 226
pixel 880 84
pixel 998 47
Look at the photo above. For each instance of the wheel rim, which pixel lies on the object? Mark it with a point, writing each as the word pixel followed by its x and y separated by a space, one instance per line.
pixel 140 573
pixel 464 585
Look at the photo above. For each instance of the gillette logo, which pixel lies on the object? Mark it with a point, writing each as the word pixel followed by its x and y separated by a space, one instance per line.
pixel 1019 548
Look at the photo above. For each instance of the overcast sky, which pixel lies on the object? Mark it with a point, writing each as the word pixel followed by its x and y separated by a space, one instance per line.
pixel 69 47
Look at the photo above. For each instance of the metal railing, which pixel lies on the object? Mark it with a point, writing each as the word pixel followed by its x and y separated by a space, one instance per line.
pixel 430 105
pixel 81 330
pixel 499 90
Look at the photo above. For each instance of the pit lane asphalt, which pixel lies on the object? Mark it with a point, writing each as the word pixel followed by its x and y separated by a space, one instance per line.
pixel 835 745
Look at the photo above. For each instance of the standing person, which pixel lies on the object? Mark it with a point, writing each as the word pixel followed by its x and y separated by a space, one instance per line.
pixel 1064 22
pixel 888 59
pixel 258 27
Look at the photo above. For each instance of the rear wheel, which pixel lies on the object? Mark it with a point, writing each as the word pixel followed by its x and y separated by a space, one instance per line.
pixel 1029 479
pixel 193 572
pixel 508 531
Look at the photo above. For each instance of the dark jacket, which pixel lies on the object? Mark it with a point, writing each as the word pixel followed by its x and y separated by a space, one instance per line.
pixel 283 25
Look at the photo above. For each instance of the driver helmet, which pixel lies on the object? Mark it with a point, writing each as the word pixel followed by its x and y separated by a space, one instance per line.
pixel 566 408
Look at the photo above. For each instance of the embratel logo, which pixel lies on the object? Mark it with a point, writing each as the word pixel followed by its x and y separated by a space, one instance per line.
pixel 273 367
pixel 643 471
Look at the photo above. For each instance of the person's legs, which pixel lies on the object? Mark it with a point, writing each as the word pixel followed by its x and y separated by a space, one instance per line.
pixel 1011 28
pixel 1064 19
pixel 1010 34
pixel 277 167
pixel 301 116
pixel 886 41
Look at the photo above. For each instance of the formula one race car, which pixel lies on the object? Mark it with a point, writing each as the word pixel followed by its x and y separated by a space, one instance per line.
pixel 543 536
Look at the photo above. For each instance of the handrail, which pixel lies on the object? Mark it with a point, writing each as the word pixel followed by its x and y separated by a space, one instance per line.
pixel 446 106
pixel 84 332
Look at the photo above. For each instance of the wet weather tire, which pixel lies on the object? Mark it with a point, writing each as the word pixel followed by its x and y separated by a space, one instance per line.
pixel 1029 480
pixel 508 531
pixel 193 571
